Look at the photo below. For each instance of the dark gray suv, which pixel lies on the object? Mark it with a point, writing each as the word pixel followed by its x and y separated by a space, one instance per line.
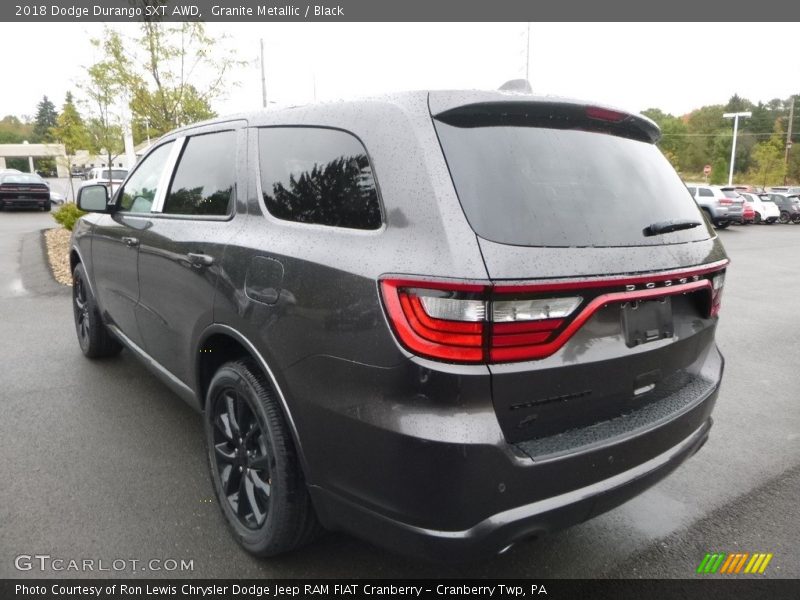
pixel 443 322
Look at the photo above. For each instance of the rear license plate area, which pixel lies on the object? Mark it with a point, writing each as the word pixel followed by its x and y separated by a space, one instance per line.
pixel 647 321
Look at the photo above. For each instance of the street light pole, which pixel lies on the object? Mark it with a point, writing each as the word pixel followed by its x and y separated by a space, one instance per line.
pixel 735 117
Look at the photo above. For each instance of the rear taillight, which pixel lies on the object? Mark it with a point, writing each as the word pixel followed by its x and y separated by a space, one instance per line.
pixel 482 323
pixel 724 201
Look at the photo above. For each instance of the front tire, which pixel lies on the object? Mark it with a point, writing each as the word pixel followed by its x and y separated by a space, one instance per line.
pixel 255 470
pixel 94 338
pixel 784 218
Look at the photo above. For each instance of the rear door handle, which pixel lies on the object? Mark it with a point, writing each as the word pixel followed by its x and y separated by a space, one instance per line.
pixel 131 242
pixel 200 260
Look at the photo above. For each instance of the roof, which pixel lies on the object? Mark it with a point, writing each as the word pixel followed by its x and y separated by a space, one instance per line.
pixel 411 103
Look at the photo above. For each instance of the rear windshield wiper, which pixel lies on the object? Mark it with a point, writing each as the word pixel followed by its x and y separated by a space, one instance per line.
pixel 669 226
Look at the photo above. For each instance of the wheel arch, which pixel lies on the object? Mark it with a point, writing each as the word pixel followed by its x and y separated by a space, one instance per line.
pixel 219 344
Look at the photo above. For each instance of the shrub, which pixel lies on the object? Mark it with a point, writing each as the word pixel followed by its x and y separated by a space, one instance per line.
pixel 67 215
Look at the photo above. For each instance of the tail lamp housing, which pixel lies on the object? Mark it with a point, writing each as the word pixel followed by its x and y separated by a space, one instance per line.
pixel 476 323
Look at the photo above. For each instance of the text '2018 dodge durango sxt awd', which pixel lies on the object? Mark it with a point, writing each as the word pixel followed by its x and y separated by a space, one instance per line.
pixel 440 321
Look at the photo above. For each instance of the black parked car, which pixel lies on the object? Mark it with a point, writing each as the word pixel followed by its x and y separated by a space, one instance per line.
pixel 789 205
pixel 24 190
pixel 443 322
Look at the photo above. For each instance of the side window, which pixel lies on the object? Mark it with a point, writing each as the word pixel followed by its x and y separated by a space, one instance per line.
pixel 204 179
pixel 314 175
pixel 141 189
pixel 692 190
pixel 706 192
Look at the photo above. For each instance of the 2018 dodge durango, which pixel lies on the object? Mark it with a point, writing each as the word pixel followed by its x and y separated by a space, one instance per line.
pixel 440 321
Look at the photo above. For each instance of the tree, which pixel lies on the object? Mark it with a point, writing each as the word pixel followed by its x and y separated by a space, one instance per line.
pixel 71 131
pixel 44 121
pixel 170 73
pixel 768 166
pixel 103 90
pixel 14 131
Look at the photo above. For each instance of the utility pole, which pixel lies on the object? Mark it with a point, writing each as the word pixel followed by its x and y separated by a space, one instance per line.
pixel 735 117
pixel 788 141
pixel 528 53
pixel 263 77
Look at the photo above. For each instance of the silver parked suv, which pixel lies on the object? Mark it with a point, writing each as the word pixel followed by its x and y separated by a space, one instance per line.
pixel 722 205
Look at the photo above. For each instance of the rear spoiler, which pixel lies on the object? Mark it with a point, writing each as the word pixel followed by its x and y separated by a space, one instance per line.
pixel 552 115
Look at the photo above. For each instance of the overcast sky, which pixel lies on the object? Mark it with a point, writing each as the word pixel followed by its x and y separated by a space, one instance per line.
pixel 673 66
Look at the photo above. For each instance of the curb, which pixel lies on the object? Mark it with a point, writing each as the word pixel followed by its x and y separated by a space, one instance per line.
pixel 37 277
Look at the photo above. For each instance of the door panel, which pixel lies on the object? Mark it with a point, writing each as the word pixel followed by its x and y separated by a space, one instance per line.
pixel 181 252
pixel 114 257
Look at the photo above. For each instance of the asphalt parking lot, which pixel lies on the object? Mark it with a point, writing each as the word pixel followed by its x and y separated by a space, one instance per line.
pixel 100 461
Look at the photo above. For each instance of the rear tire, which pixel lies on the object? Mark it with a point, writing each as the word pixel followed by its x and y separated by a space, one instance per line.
pixel 796 219
pixel 722 224
pixel 95 340
pixel 757 219
pixel 784 218
pixel 255 470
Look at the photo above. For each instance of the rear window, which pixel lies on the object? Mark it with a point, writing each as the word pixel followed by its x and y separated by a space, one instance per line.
pixel 535 186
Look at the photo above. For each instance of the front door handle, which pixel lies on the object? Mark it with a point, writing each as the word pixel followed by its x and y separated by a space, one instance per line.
pixel 131 242
pixel 200 260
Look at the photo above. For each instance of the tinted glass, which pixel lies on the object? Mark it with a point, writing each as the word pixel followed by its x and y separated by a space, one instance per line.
pixel 692 190
pixel 141 189
pixel 706 192
pixel 533 186
pixel 204 179
pixel 323 176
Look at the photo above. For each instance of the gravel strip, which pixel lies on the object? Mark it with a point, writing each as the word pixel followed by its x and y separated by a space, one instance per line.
pixel 58 254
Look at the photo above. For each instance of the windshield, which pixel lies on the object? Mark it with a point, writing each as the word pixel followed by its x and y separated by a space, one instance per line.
pixel 534 186
pixel 22 178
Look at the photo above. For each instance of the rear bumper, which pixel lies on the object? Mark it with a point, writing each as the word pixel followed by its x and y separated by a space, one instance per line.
pixel 24 202
pixel 462 498
pixel 498 531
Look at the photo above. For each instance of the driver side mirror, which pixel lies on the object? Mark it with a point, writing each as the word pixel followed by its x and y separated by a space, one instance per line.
pixel 93 198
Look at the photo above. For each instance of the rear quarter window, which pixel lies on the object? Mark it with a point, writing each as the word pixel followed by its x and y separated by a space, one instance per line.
pixel 318 176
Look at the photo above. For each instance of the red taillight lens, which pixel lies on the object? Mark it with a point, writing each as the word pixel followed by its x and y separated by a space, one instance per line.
pixel 456 338
pixel 476 323
pixel 725 201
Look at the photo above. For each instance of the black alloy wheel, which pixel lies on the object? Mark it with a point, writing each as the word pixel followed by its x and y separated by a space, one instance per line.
pixel 243 456
pixel 255 469
pixel 93 336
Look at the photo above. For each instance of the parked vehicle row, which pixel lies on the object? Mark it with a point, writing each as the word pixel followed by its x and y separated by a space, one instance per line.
pixel 724 205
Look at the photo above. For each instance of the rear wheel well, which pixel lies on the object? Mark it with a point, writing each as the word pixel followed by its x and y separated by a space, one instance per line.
pixel 74 260
pixel 212 354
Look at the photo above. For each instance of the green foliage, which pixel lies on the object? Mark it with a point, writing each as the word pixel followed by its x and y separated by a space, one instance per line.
pixel 103 89
pixel 14 131
pixel 720 170
pixel 44 121
pixel 67 215
pixel 70 129
pixel 768 160
pixel 169 74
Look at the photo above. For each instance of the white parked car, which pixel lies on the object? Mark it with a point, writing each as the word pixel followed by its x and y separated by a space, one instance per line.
pixel 766 210
pixel 111 178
